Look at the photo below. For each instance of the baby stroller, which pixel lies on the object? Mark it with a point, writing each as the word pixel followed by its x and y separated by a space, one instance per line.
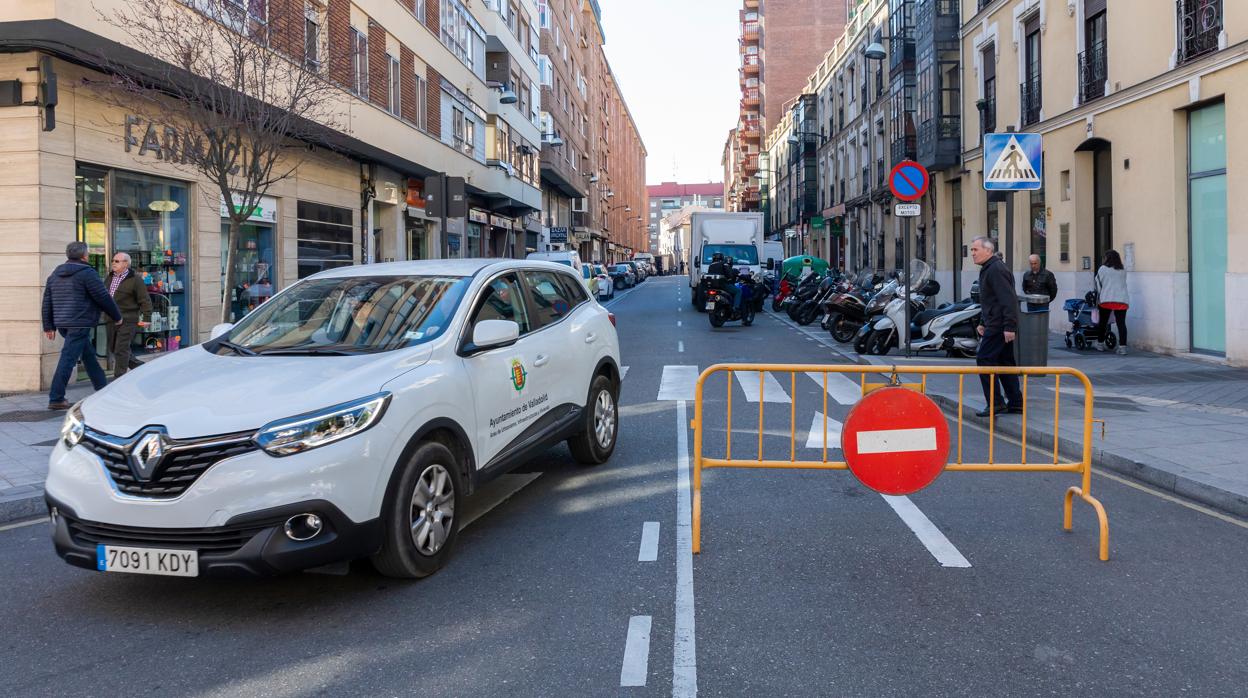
pixel 1082 332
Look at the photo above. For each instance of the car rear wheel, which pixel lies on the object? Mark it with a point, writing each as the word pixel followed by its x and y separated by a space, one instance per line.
pixel 419 515
pixel 596 443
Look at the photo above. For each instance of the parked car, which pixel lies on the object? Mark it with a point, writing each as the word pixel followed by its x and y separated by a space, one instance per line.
pixel 623 276
pixel 638 272
pixel 570 258
pixel 606 287
pixel 388 393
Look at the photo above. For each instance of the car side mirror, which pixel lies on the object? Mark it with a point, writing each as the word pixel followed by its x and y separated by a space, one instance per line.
pixel 491 334
pixel 771 264
pixel 219 330
pixel 697 262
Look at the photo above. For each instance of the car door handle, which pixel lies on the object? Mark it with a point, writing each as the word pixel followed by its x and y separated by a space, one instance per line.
pixel 541 360
pixel 591 338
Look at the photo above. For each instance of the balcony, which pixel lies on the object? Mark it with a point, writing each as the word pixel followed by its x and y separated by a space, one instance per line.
pixel 750 32
pixel 940 142
pixel 1093 72
pixel 750 97
pixel 751 4
pixel 750 164
pixel 1199 25
pixel 1029 95
pixel 750 131
pixel 751 63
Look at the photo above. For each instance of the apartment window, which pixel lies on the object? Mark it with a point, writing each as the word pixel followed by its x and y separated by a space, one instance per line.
pixel 422 103
pixel 463 35
pixel 457 127
pixel 395 80
pixel 545 71
pixel 470 137
pixel 311 38
pixel 543 13
pixel 523 88
pixel 359 62
pixel 1031 71
pixel 1199 24
pixel 988 106
pixel 420 10
pixel 513 19
pixel 1094 61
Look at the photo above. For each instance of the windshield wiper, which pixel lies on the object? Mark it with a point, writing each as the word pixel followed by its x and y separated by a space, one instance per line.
pixel 309 352
pixel 237 348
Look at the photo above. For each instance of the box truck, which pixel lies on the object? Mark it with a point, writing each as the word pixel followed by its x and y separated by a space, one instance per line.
pixel 736 235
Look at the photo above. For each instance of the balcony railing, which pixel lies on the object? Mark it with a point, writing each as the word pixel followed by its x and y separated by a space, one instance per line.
pixel 1199 25
pixel 1093 72
pixel 751 62
pixel 1029 93
pixel 879 173
pixel 750 96
pixel 749 31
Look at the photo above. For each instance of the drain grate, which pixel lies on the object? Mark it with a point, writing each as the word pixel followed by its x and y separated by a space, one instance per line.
pixel 31 415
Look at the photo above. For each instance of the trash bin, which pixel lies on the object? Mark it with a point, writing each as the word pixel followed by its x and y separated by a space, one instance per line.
pixel 1031 347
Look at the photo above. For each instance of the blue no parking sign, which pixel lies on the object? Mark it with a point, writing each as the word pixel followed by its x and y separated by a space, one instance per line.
pixel 1012 161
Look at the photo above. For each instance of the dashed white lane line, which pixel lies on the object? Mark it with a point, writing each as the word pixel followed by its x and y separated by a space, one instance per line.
pixel 24 524
pixel 678 383
pixel 772 392
pixel 678 323
pixel 623 372
pixel 649 550
pixel 930 536
pixel 815 439
pixel 684 650
pixel 636 652
pixel 840 388
pixel 680 347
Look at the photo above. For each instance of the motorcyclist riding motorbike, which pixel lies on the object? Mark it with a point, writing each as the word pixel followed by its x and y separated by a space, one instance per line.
pixel 723 266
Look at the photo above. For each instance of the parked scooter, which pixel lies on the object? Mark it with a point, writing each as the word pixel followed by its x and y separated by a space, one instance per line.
pixel 782 291
pixel 873 311
pixel 950 328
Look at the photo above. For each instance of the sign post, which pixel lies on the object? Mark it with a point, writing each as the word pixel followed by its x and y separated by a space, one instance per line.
pixel 1012 162
pixel 909 182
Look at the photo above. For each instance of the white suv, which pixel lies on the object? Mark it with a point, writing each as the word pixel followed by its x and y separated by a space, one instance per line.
pixel 348 416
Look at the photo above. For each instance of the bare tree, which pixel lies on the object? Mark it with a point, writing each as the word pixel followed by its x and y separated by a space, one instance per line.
pixel 236 92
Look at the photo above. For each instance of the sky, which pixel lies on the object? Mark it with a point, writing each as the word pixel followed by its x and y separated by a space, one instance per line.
pixel 676 62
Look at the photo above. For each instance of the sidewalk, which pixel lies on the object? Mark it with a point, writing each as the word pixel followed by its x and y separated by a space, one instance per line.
pixel 28 429
pixel 1177 424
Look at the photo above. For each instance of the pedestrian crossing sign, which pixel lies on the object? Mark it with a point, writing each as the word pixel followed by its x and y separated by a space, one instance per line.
pixel 1013 161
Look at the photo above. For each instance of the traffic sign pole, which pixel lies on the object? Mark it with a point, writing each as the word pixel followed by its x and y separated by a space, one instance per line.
pixel 909 182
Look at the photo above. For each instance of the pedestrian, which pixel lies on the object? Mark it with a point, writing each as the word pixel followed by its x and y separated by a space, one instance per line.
pixel 997 329
pixel 130 295
pixel 1039 281
pixel 73 299
pixel 1112 297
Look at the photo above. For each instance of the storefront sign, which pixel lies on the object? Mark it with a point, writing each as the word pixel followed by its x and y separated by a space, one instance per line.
pixel 265 211
pixel 582 236
pixel 559 235
pixel 500 222
pixel 816 223
pixel 478 216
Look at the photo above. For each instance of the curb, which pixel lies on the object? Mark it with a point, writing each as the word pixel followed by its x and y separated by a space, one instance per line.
pixel 1165 480
pixel 18 504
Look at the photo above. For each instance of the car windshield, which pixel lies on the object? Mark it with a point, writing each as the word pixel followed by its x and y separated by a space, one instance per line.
pixel 623 267
pixel 350 315
pixel 741 254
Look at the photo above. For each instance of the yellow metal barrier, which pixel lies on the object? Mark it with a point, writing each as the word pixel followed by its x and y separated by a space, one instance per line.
pixel 1083 466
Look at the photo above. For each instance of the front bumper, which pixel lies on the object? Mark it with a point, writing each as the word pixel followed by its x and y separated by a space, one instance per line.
pixel 252 544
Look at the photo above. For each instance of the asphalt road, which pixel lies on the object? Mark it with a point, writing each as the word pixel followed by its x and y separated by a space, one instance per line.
pixel 808 584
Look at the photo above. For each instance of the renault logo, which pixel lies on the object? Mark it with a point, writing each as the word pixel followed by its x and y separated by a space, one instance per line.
pixel 146 455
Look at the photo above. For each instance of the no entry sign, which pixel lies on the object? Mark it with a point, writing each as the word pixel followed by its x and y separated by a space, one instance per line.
pixel 908 181
pixel 896 441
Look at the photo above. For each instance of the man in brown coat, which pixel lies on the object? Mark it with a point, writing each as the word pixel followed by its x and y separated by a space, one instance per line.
pixel 130 294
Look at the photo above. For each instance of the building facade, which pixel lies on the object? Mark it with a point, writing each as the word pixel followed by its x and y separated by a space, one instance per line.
pixel 424 87
pixel 781 41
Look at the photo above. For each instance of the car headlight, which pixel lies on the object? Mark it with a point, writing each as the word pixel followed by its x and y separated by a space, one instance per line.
pixel 73 427
pixel 301 433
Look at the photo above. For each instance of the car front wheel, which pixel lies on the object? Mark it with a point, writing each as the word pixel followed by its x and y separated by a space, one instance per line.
pixel 596 443
pixel 419 515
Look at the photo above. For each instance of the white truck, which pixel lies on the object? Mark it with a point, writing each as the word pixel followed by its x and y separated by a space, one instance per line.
pixel 736 235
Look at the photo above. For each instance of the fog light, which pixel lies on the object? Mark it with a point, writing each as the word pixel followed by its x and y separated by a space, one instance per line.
pixel 303 527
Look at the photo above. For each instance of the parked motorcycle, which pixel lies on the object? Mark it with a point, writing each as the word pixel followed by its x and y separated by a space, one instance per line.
pixel 844 313
pixel 783 291
pixel 811 309
pixel 806 290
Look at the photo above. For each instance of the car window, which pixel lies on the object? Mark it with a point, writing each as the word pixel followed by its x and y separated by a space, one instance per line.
pixel 548 298
pixel 574 292
pixel 503 301
pixel 586 271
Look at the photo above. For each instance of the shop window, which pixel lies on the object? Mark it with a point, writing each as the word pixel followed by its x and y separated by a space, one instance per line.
pixel 150 222
pixel 253 267
pixel 325 238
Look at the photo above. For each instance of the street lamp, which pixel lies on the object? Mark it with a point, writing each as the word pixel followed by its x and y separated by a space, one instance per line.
pixel 552 139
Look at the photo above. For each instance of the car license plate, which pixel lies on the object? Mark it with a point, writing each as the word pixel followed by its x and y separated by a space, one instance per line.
pixel 710 305
pixel 173 563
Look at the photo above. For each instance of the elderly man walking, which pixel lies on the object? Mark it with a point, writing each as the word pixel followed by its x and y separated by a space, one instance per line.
pixel 130 294
pixel 999 325
pixel 73 299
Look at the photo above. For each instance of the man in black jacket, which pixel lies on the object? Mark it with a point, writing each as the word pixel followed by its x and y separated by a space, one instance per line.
pixel 1039 281
pixel 73 300
pixel 723 267
pixel 128 292
pixel 999 313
